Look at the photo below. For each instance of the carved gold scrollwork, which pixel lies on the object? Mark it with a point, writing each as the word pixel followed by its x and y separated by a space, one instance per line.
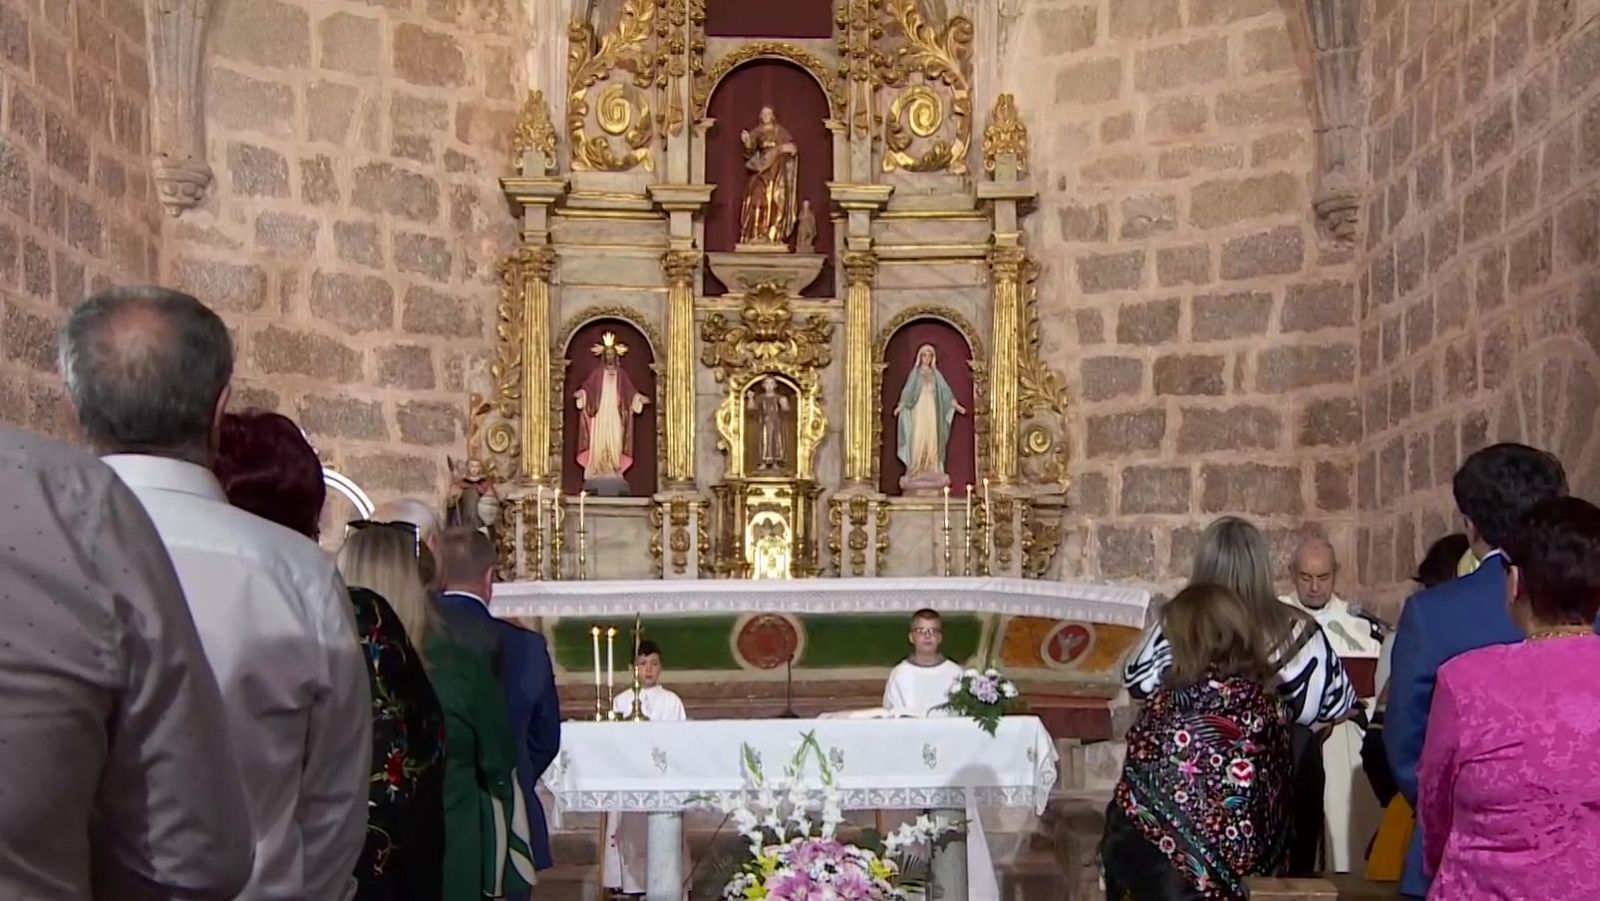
pixel 1005 134
pixel 930 64
pixel 859 25
pixel 678 540
pixel 882 562
pixel 765 335
pixel 657 518
pixel 805 59
pixel 506 369
pixel 703 540
pixel 535 132
pixel 1041 539
pixel 1042 404
pixel 622 109
pixel 835 525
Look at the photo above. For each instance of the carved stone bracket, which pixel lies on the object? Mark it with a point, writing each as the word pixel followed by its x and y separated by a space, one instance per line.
pixel 1336 36
pixel 177 49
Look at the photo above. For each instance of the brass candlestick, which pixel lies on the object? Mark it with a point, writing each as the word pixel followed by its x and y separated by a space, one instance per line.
pixel 583 553
pixel 636 712
pixel 558 523
pixel 947 569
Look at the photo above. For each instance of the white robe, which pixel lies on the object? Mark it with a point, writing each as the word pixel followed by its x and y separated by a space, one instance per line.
pixel 918 689
pixel 623 861
pixel 1350 810
pixel 605 439
pixel 925 456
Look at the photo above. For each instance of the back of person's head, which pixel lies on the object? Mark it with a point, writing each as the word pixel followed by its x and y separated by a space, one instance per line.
pixel 1213 634
pixel 1555 550
pixel 267 467
pixel 1439 564
pixel 383 559
pixel 1496 485
pixel 469 560
pixel 416 512
pixel 148 370
pixel 1234 554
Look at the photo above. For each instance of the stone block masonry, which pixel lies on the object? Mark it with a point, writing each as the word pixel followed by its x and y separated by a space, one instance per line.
pixel 1209 335
pixel 77 208
pixel 352 234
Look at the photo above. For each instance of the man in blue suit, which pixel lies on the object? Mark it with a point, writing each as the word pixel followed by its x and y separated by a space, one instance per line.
pixel 1493 488
pixel 521 658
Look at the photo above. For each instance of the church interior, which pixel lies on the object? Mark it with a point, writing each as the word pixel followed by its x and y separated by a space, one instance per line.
pixel 995 303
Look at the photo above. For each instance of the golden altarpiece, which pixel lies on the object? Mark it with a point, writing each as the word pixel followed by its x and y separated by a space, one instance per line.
pixel 771 314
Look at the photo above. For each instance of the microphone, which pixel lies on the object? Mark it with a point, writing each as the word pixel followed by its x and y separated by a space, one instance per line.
pixel 788 690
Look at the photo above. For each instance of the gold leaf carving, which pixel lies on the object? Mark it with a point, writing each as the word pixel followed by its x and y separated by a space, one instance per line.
pixel 1042 404
pixel 1004 134
pixel 765 335
pixel 535 132
pixel 506 370
pixel 794 53
pixel 625 50
pixel 940 57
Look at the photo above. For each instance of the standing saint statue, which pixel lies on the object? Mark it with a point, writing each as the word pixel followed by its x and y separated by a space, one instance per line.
pixel 607 403
pixel 926 410
pixel 769 407
pixel 770 206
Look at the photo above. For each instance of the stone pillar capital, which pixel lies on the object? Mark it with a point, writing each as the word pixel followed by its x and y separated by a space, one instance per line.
pixel 860 267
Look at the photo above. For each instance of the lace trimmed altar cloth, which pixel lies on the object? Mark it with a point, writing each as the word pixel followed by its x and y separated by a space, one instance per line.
pixel 1114 605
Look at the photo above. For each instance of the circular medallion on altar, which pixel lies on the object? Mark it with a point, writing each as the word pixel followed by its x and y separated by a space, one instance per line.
pixel 766 640
pixel 1066 644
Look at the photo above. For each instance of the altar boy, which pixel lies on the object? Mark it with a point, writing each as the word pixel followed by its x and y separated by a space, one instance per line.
pixel 624 860
pixel 922 681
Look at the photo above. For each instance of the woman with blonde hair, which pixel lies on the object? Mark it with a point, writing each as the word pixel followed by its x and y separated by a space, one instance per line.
pixel 1203 799
pixel 480 751
pixel 1311 681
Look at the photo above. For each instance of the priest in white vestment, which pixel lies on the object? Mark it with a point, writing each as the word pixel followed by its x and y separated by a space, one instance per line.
pixel 922 681
pixel 624 859
pixel 1350 809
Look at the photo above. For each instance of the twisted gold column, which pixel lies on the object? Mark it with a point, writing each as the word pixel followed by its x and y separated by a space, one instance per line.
pixel 680 267
pixel 1005 266
pixel 859 267
pixel 537 264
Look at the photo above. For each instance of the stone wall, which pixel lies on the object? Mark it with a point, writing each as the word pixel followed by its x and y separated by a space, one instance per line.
pixel 77 209
pixel 1479 304
pixel 351 236
pixel 1210 340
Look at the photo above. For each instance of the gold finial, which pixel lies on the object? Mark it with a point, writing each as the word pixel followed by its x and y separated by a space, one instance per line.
pixel 534 131
pixel 1005 133
pixel 608 341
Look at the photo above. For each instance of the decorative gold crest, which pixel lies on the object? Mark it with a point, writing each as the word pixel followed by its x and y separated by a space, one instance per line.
pixel 535 132
pixel 608 341
pixel 941 61
pixel 1005 134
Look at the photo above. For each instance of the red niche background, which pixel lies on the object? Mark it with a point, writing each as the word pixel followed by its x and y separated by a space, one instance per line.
pixel 954 362
pixel 769 18
pixel 641 476
pixel 801 106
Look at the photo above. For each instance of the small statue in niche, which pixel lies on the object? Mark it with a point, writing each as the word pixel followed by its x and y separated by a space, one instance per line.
pixel 474 499
pixel 805 230
pixel 769 407
pixel 768 213
pixel 926 410
pixel 607 404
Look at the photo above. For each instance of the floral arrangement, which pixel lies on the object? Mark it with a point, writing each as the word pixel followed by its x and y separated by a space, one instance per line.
pixel 985 697
pixel 794 857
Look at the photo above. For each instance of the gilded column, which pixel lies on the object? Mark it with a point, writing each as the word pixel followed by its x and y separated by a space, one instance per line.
pixel 1005 266
pixel 680 267
pixel 859 267
pixel 537 264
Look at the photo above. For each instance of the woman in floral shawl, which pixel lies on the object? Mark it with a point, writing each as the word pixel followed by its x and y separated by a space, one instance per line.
pixel 1203 799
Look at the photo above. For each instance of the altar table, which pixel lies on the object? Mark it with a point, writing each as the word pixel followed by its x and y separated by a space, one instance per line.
pixel 946 764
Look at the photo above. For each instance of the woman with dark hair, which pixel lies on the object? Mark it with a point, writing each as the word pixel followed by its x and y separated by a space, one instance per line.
pixel 1203 801
pixel 267 467
pixel 1508 783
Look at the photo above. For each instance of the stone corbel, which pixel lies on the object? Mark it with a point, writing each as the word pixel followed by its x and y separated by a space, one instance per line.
pixel 1336 38
pixel 177 50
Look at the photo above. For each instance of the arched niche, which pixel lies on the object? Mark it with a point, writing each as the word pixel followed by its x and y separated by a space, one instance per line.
pixel 801 106
pixel 639 364
pixel 954 361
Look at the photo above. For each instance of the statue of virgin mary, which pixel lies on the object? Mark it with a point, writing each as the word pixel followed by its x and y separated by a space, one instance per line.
pixel 926 410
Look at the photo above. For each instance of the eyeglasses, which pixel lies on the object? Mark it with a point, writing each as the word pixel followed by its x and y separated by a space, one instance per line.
pixel 926 632
pixel 410 528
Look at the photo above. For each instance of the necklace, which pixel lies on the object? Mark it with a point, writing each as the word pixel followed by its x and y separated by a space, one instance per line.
pixel 1569 631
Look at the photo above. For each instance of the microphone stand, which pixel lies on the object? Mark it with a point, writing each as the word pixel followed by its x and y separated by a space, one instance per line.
pixel 788 690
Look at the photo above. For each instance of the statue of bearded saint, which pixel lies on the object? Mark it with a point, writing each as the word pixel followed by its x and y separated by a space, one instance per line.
pixel 926 410
pixel 607 404
pixel 770 206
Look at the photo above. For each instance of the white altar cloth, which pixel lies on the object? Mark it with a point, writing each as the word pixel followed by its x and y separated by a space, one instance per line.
pixel 1115 605
pixel 887 763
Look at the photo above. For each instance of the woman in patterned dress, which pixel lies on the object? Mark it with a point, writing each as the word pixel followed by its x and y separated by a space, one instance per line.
pixel 267 467
pixel 1203 798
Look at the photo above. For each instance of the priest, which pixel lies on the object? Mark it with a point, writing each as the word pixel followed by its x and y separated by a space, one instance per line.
pixel 1346 807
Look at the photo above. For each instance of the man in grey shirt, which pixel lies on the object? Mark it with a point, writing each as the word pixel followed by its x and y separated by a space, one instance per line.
pixel 117 777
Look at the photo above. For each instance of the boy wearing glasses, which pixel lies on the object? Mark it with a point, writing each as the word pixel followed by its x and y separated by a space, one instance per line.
pixel 922 681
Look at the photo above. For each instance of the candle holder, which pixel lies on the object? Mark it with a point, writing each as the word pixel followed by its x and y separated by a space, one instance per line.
pixel 947 570
pixel 636 710
pixel 558 522
pixel 980 548
pixel 583 553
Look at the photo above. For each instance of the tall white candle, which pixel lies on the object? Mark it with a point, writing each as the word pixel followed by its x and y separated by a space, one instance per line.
pixel 595 634
pixel 947 508
pixel 611 644
pixel 522 550
pixel 583 496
